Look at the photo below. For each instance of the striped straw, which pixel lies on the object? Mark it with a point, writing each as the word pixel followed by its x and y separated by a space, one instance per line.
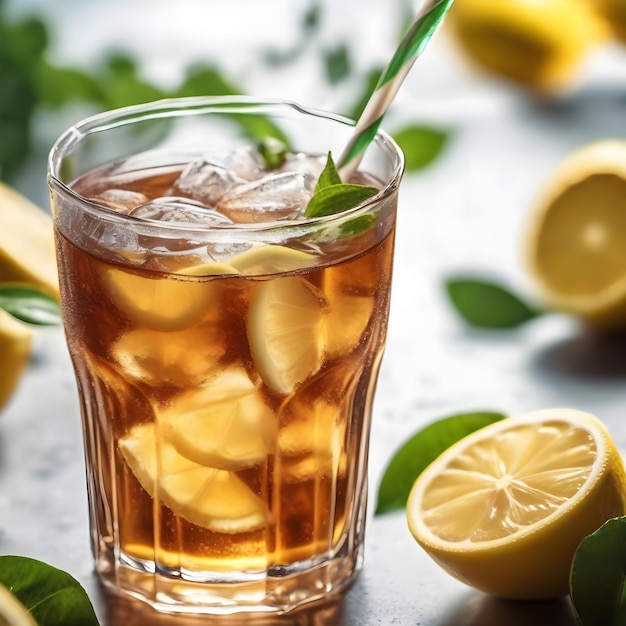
pixel 412 45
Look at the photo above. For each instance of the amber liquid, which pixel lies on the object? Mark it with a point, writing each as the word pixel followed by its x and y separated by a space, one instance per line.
pixel 139 371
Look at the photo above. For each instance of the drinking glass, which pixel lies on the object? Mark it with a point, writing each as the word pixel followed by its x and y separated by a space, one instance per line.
pixel 226 347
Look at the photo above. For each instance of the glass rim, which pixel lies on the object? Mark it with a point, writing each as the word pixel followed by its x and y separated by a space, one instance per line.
pixel 198 105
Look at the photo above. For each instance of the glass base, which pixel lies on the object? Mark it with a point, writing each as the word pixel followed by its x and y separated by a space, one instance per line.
pixel 274 592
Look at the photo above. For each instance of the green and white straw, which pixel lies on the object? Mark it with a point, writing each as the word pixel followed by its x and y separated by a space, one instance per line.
pixel 412 45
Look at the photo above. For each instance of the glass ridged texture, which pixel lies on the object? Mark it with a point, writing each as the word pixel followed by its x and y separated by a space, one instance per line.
pixel 509 482
pixel 226 402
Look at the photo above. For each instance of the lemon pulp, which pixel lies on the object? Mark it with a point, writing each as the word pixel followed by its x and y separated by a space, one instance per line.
pixel 578 235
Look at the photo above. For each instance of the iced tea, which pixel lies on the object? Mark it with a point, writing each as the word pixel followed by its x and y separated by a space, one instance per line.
pixel 226 383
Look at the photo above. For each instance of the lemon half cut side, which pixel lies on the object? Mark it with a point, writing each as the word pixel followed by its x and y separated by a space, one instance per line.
pixel 577 236
pixel 504 509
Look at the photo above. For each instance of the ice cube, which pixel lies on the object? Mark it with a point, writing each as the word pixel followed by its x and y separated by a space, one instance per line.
pixel 121 200
pixel 205 181
pixel 272 197
pixel 304 163
pixel 180 211
pixel 244 162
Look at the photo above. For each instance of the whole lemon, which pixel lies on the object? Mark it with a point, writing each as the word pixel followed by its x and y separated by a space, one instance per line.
pixel 535 43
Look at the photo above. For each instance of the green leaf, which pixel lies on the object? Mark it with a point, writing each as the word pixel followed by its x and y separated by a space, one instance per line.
pixel 273 152
pixel 57 86
pixel 207 80
pixel 329 175
pixel 29 304
pixel 486 304
pixel 598 576
pixel 122 84
pixel 337 64
pixel 421 145
pixel 53 597
pixel 312 18
pixel 420 451
pixel 338 198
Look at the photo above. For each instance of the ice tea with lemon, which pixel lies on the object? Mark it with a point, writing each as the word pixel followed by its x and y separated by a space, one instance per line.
pixel 226 383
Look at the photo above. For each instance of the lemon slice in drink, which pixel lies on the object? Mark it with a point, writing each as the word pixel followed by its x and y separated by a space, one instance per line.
pixel 158 302
pixel 12 611
pixel 285 332
pixel 505 508
pixel 224 423
pixel 577 238
pixel 26 243
pixel 209 497
pixel 271 259
pixel 15 342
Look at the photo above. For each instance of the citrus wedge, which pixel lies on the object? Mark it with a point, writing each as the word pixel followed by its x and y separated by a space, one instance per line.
pixel 12 611
pixel 224 423
pixel 159 303
pixel 505 508
pixel 209 497
pixel 577 236
pixel 15 342
pixel 348 314
pixel 271 259
pixel 26 243
pixel 285 332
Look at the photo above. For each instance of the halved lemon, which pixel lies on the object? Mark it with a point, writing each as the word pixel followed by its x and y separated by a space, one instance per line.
pixel 223 423
pixel 285 332
pixel 577 236
pixel 209 497
pixel 12 611
pixel 505 508
pixel 26 243
pixel 15 342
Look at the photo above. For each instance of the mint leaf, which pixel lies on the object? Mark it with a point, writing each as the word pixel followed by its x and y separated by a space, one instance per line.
pixel 29 304
pixel 273 152
pixel 598 576
pixel 420 451
pixel 486 304
pixel 53 597
pixel 332 196
pixel 338 198
pixel 421 145
pixel 329 175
